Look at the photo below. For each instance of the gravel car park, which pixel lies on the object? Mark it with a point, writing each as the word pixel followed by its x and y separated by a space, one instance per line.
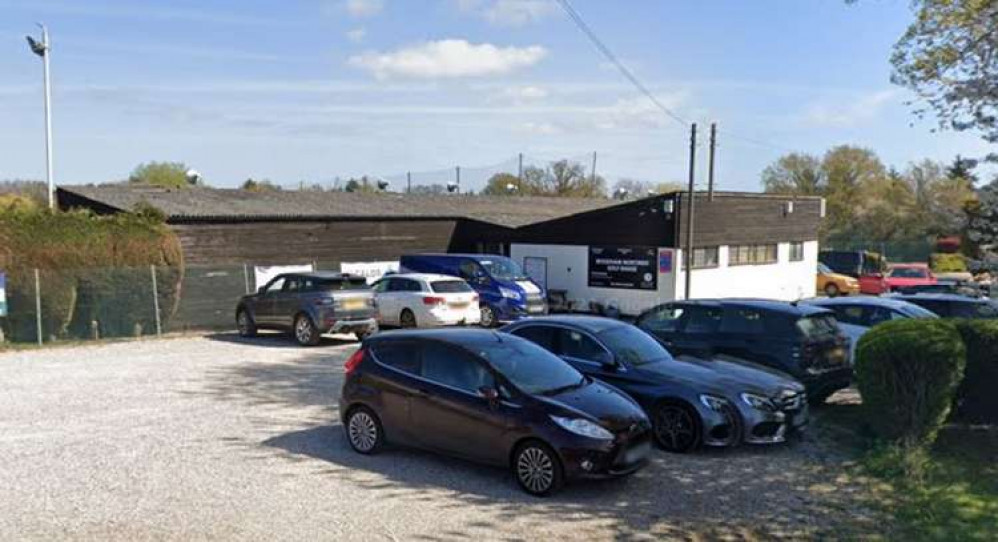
pixel 228 438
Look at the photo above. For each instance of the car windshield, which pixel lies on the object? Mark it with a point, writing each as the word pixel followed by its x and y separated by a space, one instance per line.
pixel 352 283
pixel 450 287
pixel 823 269
pixel 633 346
pixel 819 325
pixel 909 273
pixel 915 311
pixel 502 268
pixel 532 369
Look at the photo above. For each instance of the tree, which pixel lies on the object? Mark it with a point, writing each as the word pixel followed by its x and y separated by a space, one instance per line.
pixel 564 178
pixel 502 184
pixel 982 224
pixel 949 57
pixel 263 185
pixel 164 174
pixel 633 188
pixel 796 173
pixel 846 169
pixel 363 184
pixel 962 168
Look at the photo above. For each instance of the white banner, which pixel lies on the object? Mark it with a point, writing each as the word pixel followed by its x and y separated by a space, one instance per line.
pixel 371 271
pixel 263 275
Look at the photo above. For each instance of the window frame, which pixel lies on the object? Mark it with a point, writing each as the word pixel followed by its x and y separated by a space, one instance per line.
pixel 797 251
pixel 771 256
pixel 703 251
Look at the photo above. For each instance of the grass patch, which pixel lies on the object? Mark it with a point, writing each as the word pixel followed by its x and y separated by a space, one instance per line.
pixel 955 496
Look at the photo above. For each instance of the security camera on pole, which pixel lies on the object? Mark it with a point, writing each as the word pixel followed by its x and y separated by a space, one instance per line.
pixel 42 49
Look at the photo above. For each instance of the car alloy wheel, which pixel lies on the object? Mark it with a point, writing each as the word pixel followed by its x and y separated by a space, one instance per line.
pixel 305 332
pixel 831 290
pixel 245 324
pixel 676 430
pixel 488 316
pixel 363 431
pixel 407 319
pixel 537 469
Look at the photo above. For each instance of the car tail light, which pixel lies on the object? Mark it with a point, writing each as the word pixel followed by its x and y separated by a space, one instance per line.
pixel 431 300
pixel 353 361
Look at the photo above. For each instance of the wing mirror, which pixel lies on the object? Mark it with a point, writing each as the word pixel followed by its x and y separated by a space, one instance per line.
pixel 608 361
pixel 489 393
pixel 261 290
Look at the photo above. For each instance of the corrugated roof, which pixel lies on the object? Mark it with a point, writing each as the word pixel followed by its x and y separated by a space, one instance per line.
pixel 234 204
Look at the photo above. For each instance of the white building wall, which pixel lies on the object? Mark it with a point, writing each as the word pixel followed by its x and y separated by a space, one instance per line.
pixel 567 269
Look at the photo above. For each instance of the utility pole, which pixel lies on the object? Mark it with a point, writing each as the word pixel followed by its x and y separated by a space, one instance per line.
pixel 688 250
pixel 42 49
pixel 457 171
pixel 519 177
pixel 408 182
pixel 593 176
pixel 710 162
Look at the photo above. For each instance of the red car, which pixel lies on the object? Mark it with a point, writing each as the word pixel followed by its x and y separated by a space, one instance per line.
pixel 898 277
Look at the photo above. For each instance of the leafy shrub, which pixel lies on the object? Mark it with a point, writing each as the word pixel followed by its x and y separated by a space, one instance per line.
pixel 93 268
pixel 948 263
pixel 907 372
pixel 977 396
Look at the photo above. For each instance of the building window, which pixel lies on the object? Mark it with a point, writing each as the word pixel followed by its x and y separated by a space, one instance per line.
pixel 704 258
pixel 752 254
pixel 797 251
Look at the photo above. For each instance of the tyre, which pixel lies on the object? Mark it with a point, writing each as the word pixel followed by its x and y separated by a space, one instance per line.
pixel 676 427
pixel 363 431
pixel 488 316
pixel 305 332
pixel 831 290
pixel 245 324
pixel 538 469
pixel 407 319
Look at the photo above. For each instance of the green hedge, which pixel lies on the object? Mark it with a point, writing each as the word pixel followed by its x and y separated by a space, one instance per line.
pixel 907 372
pixel 977 397
pixel 92 269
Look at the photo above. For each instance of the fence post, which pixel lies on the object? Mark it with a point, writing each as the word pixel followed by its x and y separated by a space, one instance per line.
pixel 38 306
pixel 246 277
pixel 155 300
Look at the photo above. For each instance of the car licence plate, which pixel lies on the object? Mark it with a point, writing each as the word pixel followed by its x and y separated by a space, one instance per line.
pixel 353 304
pixel 459 305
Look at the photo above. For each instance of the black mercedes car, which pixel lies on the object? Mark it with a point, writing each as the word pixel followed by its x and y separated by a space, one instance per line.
pixel 690 400
pixel 493 398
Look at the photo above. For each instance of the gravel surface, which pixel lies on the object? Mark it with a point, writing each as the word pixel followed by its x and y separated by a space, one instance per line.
pixel 221 438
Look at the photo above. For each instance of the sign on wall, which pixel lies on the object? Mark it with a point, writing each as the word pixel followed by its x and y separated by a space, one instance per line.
pixel 3 294
pixel 371 271
pixel 665 260
pixel 630 268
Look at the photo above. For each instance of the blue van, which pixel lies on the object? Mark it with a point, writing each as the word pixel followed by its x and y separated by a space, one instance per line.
pixel 505 292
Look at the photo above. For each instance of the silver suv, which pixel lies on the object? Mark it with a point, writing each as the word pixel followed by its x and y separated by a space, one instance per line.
pixel 309 305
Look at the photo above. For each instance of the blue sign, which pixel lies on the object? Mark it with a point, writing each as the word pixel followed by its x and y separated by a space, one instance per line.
pixel 3 294
pixel 665 261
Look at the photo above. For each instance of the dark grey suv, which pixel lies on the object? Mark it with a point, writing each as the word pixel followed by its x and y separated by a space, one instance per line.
pixel 308 305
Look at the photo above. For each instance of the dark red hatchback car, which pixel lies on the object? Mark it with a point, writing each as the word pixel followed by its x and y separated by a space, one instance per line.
pixel 491 398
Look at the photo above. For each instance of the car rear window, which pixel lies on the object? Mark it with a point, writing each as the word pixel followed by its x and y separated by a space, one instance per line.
pixel 818 326
pixel 353 283
pixel 450 286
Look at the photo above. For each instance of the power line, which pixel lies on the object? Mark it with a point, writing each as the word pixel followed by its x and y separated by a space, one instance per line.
pixel 577 19
pixel 585 28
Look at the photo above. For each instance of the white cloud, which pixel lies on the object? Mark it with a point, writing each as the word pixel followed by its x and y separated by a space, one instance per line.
pixel 363 8
pixel 540 128
pixel 357 35
pixel 639 112
pixel 844 115
pixel 448 59
pixel 518 95
pixel 509 12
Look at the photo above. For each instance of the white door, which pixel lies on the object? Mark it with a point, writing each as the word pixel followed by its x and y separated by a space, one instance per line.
pixel 383 295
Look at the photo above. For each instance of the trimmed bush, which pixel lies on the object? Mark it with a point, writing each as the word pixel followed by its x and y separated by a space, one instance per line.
pixel 907 372
pixel 977 396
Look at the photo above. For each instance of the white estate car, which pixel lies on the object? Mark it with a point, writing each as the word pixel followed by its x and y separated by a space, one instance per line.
pixel 424 300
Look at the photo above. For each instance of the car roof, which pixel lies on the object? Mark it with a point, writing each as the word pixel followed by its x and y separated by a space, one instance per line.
pixel 786 307
pixel 592 324
pixel 950 298
pixel 866 301
pixel 454 335
pixel 322 275
pixel 425 277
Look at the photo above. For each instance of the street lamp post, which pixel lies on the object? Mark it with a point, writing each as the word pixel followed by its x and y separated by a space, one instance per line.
pixel 42 49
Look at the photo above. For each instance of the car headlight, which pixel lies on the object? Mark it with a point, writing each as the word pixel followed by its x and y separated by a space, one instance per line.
pixel 758 402
pixel 713 402
pixel 583 428
pixel 510 294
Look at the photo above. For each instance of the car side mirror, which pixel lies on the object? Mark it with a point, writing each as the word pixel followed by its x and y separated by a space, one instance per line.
pixel 608 361
pixel 261 290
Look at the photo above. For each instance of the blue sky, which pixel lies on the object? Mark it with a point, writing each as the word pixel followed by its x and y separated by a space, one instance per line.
pixel 314 89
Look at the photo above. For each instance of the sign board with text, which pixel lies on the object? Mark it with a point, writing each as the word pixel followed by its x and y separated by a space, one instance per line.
pixel 629 268
pixel 371 271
